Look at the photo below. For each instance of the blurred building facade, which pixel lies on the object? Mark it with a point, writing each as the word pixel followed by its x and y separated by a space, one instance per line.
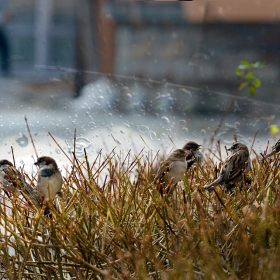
pixel 195 44
pixel 41 32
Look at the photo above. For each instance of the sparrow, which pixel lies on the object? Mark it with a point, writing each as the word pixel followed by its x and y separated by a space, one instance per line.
pixel 172 169
pixel 195 148
pixel 237 163
pixel 49 181
pixel 13 181
pixel 275 149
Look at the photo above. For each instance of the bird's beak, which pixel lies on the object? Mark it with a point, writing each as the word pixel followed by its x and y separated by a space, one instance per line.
pixel 199 147
pixel 36 163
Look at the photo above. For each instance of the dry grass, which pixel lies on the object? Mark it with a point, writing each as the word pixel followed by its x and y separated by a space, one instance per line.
pixel 122 228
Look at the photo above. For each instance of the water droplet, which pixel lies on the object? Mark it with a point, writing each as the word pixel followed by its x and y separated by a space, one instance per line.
pixel 152 135
pixel 165 119
pixel 143 129
pixel 203 131
pixel 22 140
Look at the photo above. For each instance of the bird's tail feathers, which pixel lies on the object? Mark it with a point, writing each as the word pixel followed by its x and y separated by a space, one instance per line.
pixel 267 156
pixel 31 193
pixel 210 187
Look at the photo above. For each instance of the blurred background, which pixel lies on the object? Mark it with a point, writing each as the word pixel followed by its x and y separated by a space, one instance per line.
pixel 132 75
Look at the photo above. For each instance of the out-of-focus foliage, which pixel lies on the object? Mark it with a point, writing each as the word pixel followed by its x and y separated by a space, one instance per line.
pixel 274 129
pixel 248 79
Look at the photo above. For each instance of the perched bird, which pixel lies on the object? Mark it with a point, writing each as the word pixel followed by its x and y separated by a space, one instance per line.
pixel 195 148
pixel 237 163
pixel 13 181
pixel 172 169
pixel 275 149
pixel 49 181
